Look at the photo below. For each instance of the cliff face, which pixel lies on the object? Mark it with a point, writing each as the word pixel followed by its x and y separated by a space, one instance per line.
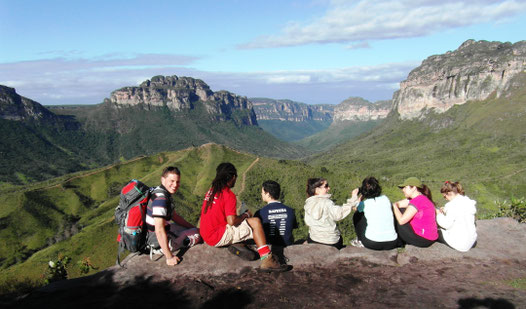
pixel 18 108
pixel 358 109
pixel 353 108
pixel 474 71
pixel 184 93
pixel 15 107
pixel 287 110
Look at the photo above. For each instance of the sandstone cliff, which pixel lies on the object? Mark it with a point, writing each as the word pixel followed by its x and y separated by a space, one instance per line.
pixel 287 110
pixel 354 108
pixel 358 109
pixel 476 70
pixel 184 93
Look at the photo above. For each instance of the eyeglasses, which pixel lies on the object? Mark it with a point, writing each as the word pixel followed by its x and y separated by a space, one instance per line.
pixel 325 186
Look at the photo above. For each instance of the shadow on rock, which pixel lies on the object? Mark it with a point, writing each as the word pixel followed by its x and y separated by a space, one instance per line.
pixel 230 298
pixel 138 292
pixel 469 303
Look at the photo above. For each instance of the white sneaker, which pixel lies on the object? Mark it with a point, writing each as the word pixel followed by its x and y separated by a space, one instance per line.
pixel 356 243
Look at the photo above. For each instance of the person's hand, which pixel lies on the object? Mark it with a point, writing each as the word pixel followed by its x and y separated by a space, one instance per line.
pixel 355 192
pixel 173 261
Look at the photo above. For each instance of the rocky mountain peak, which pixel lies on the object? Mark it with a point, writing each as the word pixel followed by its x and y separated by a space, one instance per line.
pixel 15 107
pixel 474 71
pixel 184 93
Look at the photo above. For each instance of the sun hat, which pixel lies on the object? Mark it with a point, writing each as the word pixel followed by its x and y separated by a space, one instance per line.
pixel 411 181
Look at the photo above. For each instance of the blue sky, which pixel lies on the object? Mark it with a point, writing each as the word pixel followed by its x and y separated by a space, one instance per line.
pixel 312 51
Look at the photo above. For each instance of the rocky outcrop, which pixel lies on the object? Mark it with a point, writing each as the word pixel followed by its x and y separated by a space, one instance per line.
pixel 18 108
pixel 184 93
pixel 476 70
pixel 322 276
pixel 287 110
pixel 358 109
pixel 15 107
pixel 354 108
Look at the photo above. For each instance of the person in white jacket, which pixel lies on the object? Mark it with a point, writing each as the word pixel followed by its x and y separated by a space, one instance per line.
pixel 457 218
pixel 321 213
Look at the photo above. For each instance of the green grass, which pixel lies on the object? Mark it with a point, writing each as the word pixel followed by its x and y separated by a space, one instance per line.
pixel 481 144
pixel 518 283
pixel 337 133
pixel 290 131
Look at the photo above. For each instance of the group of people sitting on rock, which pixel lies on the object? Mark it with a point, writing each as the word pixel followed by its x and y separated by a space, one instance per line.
pixel 379 224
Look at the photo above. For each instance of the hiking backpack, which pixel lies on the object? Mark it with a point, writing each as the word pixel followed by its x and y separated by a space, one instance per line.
pixel 130 215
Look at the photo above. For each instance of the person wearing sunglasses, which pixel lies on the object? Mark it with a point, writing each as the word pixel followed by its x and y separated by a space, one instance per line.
pixel 321 214
pixel 457 218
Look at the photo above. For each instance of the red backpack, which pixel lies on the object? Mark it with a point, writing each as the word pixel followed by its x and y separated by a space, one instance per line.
pixel 130 215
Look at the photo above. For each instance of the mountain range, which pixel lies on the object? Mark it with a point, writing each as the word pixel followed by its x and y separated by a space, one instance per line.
pixel 164 113
pixel 475 134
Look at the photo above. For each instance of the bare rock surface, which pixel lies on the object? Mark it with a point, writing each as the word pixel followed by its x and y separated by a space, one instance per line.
pixel 322 276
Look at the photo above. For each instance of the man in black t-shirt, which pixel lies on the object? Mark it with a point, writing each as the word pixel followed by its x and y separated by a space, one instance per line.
pixel 278 220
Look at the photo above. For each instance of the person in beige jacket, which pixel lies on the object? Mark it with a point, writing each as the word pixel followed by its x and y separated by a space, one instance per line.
pixel 321 214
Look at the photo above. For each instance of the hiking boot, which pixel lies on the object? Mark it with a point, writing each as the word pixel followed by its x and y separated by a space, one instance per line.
pixel 270 264
pixel 356 243
pixel 243 252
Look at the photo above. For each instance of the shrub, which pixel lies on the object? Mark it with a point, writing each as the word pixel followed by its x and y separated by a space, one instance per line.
pixel 516 209
pixel 85 265
pixel 56 270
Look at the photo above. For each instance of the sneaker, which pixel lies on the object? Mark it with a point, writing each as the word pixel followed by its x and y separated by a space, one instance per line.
pixel 270 264
pixel 191 240
pixel 356 243
pixel 243 252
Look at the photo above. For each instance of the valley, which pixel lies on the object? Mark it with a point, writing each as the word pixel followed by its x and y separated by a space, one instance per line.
pixel 62 170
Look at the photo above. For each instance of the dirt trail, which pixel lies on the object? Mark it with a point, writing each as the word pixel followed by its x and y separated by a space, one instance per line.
pixel 244 176
pixel 243 185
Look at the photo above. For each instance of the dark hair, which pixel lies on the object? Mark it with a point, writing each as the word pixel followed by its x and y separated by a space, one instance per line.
pixel 170 170
pixel 370 188
pixel 312 184
pixel 449 186
pixel 224 173
pixel 426 191
pixel 272 188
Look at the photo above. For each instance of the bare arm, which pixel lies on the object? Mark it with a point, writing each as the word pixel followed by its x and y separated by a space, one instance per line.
pixel 162 238
pixel 402 203
pixel 236 220
pixel 409 213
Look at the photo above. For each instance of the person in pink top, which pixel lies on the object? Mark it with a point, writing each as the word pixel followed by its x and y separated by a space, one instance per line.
pixel 415 215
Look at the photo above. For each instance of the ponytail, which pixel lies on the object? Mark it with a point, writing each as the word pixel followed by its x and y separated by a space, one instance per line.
pixel 426 191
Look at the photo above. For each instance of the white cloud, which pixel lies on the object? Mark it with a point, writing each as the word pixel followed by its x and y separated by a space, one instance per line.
pixel 351 21
pixel 89 81
pixel 284 79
